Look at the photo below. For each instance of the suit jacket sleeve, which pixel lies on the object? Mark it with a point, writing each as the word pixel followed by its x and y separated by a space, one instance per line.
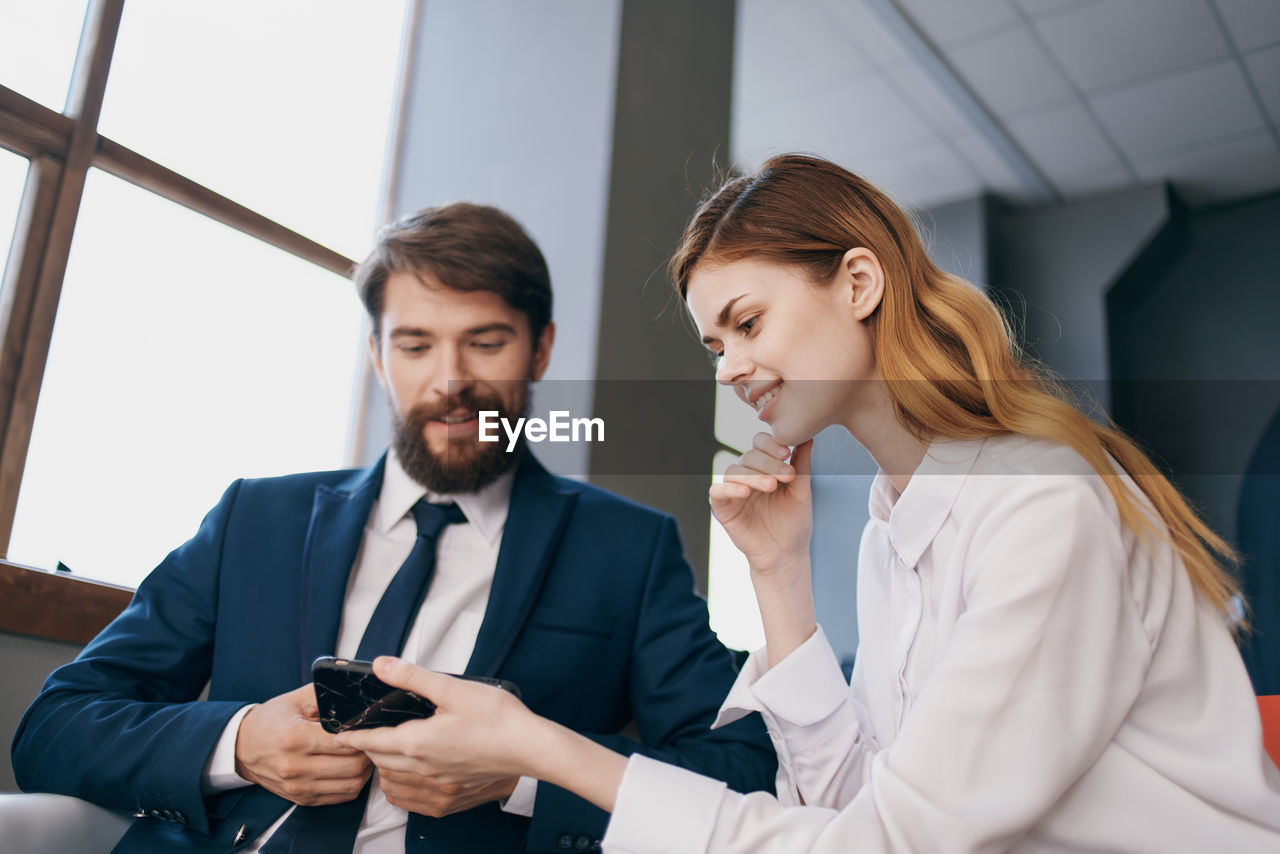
pixel 122 725
pixel 680 674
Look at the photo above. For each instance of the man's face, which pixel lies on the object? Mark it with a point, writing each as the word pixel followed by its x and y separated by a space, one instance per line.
pixel 443 356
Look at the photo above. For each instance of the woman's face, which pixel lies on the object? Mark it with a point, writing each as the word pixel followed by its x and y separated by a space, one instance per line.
pixel 797 353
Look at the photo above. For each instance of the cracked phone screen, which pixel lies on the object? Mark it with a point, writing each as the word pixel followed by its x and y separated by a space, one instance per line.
pixel 350 697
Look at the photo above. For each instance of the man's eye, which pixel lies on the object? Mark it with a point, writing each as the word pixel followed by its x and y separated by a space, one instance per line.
pixel 413 349
pixel 489 345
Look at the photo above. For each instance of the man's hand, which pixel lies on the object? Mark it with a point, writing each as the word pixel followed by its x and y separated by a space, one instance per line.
pixel 426 796
pixel 282 747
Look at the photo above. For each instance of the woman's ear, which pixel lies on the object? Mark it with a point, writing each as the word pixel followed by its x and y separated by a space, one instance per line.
pixel 862 278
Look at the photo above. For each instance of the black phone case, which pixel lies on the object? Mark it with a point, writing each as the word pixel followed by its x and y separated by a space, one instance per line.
pixel 349 696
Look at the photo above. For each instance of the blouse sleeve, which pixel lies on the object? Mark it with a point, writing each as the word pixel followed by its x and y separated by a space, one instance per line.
pixel 816 723
pixel 1037 676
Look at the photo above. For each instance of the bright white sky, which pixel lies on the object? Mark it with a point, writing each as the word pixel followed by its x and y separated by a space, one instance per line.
pixel 185 353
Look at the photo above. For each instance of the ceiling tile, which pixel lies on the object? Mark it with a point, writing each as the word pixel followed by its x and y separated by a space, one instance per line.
pixel 881 46
pixel 864 117
pixel 1109 44
pixel 920 178
pixel 1233 169
pixel 1008 72
pixel 1252 23
pixel 993 170
pixel 1156 118
pixel 1264 68
pixel 1035 8
pixel 1064 143
pixel 937 108
pixel 951 22
pixel 780 50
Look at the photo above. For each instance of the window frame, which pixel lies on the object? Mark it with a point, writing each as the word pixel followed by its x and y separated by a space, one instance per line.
pixel 61 149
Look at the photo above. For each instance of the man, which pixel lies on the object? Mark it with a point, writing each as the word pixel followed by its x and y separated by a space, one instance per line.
pixel 581 598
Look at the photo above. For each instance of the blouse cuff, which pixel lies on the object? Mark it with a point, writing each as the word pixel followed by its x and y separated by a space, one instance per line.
pixel 804 700
pixel 806 686
pixel 686 803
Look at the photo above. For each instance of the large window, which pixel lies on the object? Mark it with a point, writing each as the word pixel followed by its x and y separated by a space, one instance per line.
pixel 175 311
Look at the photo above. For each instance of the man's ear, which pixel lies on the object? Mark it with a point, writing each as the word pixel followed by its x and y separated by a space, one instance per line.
pixel 375 356
pixel 542 351
pixel 862 278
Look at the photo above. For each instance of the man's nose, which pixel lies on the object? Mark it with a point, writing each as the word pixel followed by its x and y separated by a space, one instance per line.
pixel 451 374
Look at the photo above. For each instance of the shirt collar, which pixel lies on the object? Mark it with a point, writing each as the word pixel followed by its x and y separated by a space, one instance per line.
pixel 486 509
pixel 915 516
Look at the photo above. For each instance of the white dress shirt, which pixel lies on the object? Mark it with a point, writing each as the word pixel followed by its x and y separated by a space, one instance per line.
pixel 443 634
pixel 1031 676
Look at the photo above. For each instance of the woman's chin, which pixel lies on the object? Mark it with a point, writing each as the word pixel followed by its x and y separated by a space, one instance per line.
pixel 791 434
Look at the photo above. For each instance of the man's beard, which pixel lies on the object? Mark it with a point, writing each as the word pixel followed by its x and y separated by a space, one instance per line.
pixel 467 465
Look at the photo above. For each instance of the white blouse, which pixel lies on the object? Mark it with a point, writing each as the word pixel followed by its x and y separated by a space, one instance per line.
pixel 1031 676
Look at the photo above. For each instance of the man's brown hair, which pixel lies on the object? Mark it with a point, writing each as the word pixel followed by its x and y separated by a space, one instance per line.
pixel 466 247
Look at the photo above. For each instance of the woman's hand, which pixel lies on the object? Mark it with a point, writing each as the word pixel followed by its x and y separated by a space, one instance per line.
pixel 478 736
pixel 765 505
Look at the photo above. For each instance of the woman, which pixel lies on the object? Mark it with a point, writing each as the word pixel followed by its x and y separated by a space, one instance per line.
pixel 1045 659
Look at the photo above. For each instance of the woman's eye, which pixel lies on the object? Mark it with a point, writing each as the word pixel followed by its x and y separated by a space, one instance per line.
pixel 748 324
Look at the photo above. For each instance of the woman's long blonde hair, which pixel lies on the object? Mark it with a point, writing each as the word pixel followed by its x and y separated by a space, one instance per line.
pixel 950 362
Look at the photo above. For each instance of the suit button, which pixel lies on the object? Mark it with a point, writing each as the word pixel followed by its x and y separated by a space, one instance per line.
pixel 179 816
pixel 565 840
pixel 240 835
pixel 582 843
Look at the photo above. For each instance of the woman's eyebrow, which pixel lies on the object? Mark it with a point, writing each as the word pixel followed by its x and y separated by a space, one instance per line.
pixel 723 317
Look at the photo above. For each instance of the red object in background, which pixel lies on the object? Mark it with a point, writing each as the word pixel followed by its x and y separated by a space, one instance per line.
pixel 1269 708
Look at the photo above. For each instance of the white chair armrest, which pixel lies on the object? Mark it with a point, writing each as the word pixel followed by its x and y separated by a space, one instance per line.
pixel 58 824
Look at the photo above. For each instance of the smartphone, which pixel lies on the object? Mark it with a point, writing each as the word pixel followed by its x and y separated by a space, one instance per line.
pixel 349 696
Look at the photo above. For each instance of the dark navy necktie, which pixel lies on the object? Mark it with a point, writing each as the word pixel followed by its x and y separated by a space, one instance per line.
pixel 391 620
pixel 332 829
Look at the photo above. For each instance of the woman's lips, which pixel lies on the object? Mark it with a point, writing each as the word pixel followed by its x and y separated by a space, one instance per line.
pixel 766 403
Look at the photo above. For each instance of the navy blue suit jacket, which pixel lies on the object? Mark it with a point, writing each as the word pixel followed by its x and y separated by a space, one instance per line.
pixel 592 613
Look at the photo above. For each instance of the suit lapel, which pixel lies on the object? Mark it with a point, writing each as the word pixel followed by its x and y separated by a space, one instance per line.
pixel 540 510
pixel 338 517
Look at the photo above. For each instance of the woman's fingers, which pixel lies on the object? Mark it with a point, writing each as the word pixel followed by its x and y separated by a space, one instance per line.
pixel 750 478
pixel 726 494
pixel 771 446
pixel 760 470
pixel 766 462
pixel 399 673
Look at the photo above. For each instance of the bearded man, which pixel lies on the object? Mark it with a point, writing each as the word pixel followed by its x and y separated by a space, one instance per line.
pixel 581 598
